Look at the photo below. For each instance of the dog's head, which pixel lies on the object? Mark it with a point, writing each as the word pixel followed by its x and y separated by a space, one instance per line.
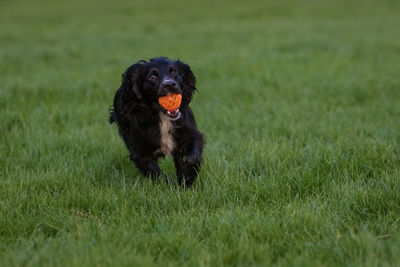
pixel 146 81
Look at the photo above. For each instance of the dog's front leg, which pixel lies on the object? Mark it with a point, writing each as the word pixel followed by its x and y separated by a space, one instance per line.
pixel 178 161
pixel 193 158
pixel 148 168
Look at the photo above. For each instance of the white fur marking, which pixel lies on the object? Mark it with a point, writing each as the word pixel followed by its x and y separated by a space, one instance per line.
pixel 167 143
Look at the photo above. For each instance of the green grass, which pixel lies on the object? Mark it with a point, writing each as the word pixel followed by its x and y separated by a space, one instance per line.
pixel 299 102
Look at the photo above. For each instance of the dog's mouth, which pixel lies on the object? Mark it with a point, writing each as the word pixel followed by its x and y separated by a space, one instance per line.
pixel 173 115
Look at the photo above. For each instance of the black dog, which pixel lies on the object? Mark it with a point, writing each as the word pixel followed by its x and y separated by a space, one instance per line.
pixel 151 132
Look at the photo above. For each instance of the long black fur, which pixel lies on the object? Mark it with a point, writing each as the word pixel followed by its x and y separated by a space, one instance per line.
pixel 137 113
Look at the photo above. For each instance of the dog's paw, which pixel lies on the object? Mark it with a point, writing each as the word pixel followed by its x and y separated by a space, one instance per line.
pixel 193 159
pixel 190 172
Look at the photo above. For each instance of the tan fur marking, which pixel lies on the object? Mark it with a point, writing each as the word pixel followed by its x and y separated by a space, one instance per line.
pixel 167 143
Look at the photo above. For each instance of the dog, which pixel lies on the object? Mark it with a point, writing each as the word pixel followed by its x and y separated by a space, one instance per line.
pixel 147 129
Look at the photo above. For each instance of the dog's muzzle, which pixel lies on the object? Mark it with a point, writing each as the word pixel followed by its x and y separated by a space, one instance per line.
pixel 169 86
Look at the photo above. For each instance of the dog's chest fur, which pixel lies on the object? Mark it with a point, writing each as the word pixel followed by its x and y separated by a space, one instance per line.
pixel 167 143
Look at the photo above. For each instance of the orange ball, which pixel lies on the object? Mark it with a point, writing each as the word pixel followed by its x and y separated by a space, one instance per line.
pixel 171 101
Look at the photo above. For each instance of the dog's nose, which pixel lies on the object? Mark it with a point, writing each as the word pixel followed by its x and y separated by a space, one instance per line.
pixel 169 85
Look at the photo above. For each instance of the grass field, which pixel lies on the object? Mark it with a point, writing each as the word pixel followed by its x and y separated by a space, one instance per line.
pixel 299 102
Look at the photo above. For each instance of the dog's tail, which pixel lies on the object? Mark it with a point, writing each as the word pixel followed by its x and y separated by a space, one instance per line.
pixel 112 115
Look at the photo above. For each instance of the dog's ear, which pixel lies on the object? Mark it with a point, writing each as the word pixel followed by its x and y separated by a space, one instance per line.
pixel 188 78
pixel 128 96
pixel 132 81
pixel 188 82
